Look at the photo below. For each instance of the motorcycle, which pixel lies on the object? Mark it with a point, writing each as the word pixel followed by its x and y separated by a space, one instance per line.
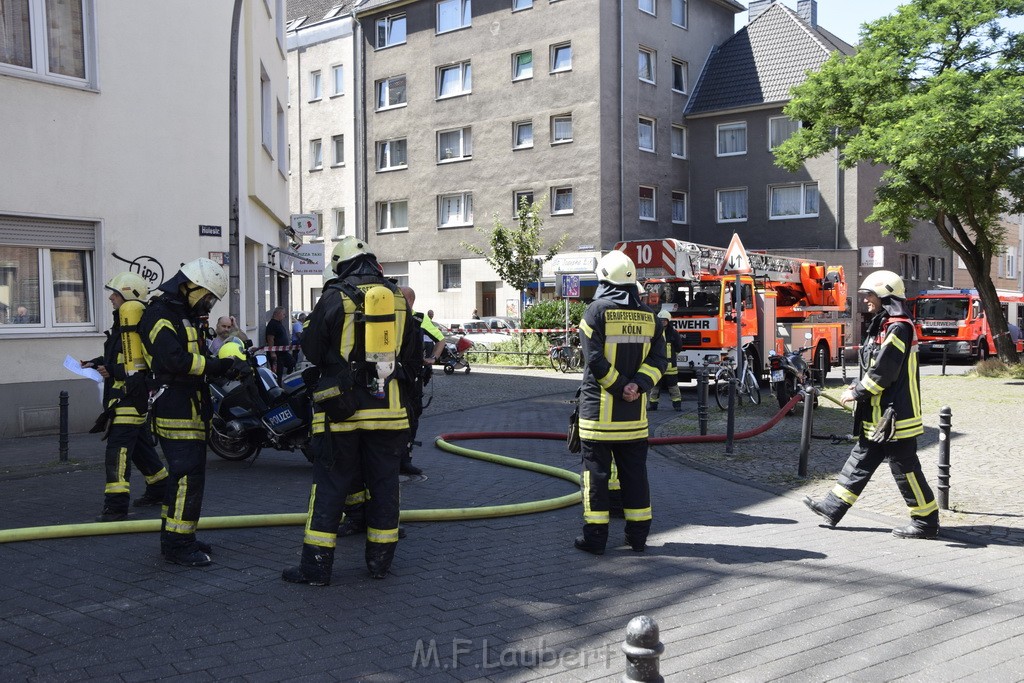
pixel 256 412
pixel 789 373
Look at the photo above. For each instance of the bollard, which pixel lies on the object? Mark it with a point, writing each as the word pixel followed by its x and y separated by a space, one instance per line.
pixel 702 401
pixel 944 347
pixel 822 364
pixel 63 426
pixel 730 423
pixel 842 362
pixel 945 422
pixel 805 429
pixel 643 650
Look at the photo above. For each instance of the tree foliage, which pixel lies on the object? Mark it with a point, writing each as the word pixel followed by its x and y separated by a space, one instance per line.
pixel 934 95
pixel 550 314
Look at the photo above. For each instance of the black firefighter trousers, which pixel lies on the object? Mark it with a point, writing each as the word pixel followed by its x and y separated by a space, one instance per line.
pixel 630 459
pixel 127 444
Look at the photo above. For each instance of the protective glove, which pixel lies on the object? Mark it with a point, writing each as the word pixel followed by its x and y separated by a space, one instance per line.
pixel 237 368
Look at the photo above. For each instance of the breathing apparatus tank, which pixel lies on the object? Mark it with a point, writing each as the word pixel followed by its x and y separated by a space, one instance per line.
pixel 129 314
pixel 380 332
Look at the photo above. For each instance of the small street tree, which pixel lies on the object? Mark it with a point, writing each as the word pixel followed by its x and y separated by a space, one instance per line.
pixel 515 252
pixel 935 96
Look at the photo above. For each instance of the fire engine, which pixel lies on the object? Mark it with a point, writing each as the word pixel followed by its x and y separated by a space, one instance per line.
pixel 783 300
pixel 953 321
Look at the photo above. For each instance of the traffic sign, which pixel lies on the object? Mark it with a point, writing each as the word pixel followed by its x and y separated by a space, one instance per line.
pixel 571 286
pixel 736 260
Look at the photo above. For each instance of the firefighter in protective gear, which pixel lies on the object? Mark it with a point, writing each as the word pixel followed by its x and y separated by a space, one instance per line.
pixel 670 380
pixel 624 357
pixel 358 436
pixel 124 393
pixel 887 413
pixel 170 331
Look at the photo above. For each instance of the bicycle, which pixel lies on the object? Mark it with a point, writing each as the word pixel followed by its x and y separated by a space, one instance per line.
pixel 565 357
pixel 748 387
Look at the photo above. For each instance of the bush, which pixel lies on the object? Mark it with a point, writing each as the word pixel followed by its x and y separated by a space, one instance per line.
pixel 993 367
pixel 550 314
pixel 533 344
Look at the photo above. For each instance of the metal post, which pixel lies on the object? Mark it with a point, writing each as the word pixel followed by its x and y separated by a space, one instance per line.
pixel 702 400
pixel 944 347
pixel 842 363
pixel 643 650
pixel 63 426
pixel 945 422
pixel 822 363
pixel 730 423
pixel 805 429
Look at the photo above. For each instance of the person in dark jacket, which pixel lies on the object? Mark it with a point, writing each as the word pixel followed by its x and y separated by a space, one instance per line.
pixel 670 380
pixel 887 413
pixel 624 357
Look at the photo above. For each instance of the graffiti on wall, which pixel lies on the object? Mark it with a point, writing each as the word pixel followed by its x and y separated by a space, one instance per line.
pixel 147 267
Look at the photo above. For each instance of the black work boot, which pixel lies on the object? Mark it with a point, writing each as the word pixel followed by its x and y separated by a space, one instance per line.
pixel 314 568
pixel 636 535
pixel 153 496
pixel 677 406
pixel 652 406
pixel 593 540
pixel 406 467
pixel 914 531
pixel 354 521
pixel 378 558
pixel 831 508
pixel 112 515
pixel 183 549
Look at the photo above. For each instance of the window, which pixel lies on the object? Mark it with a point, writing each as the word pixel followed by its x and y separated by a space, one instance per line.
pixel 521 199
pixel 391 31
pixel 1011 262
pixel 338 73
pixel 646 65
pixel 316 155
pixel 522 65
pixel 679 13
pixel 648 204
pixel 454 80
pixel 780 129
pixel 390 92
pixel 397 272
pixel 453 14
pixel 561 129
pixel 265 114
pixel 391 155
pixel 451 275
pixel 679 69
pixel 282 140
pixel 732 139
pixel 914 262
pixel 522 135
pixel 455 210
pixel 645 134
pixel 678 206
pixel 521 4
pixel 732 205
pixel 338 144
pixel 455 145
pixel 679 142
pixel 561 201
pixel 793 201
pixel 393 216
pixel 47 40
pixel 648 6
pixel 316 90
pixel 339 223
pixel 561 57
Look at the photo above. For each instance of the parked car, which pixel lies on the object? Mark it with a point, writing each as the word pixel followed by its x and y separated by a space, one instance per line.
pixel 479 332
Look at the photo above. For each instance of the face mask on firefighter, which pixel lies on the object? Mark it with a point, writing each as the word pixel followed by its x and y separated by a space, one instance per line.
pixel 200 300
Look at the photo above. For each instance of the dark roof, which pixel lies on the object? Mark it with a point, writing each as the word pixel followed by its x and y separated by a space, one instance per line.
pixel 762 62
pixel 315 10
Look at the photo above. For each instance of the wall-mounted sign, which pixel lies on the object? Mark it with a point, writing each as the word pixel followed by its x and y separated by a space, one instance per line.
pixel 574 264
pixel 306 224
pixel 221 258
pixel 872 257
pixel 209 231
pixel 311 251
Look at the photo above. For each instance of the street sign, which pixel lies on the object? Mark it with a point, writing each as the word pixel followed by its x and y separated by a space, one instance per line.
pixel 571 286
pixel 305 224
pixel 736 260
pixel 311 251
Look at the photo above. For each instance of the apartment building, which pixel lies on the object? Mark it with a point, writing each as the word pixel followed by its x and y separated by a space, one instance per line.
pixel 117 154
pixel 472 105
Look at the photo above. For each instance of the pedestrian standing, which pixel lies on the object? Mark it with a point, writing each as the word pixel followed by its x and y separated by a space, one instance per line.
pixel 276 334
pixel 670 380
pixel 887 412
pixel 624 357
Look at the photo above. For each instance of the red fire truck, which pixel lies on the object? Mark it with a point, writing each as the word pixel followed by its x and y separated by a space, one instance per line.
pixel 783 300
pixel 952 321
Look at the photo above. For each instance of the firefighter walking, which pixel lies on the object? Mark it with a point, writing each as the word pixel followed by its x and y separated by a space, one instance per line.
pixel 624 357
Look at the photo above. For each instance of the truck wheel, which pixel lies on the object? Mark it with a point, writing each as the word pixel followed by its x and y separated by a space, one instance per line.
pixel 982 349
pixel 822 350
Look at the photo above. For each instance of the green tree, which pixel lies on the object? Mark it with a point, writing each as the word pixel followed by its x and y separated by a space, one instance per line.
pixel 935 96
pixel 515 252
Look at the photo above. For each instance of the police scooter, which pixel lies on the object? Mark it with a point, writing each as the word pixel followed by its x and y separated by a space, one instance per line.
pixel 789 373
pixel 255 412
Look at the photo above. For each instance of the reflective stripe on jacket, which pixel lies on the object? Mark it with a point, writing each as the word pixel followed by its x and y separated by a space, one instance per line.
pixel 892 379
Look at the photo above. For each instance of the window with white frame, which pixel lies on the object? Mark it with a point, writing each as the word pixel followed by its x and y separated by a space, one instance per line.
pixel 678 206
pixel 454 145
pixel 521 4
pixel 390 92
pixel 265 112
pixel 960 265
pixel 522 65
pixel 338 76
pixel 522 135
pixel 391 31
pixel 904 264
pixel 732 204
pixel 451 275
pixel 914 267
pixel 679 142
pixel 780 129
pixel 1011 261
pixel 48 40
pixel 339 223
pixel 793 201
pixel 454 80
pixel 397 272
pixel 679 13
pixel 282 139
pixel 561 129
pixel 648 6
pixel 393 216
pixel 645 65
pixel 645 133
pixel 648 203
pixel 561 201
pixel 453 15
pixel 521 200
pixel 316 86
pixel 679 75
pixel 316 154
pixel 931 268
pixel 455 210
pixel 732 138
pixel 561 57
pixel 338 146
pixel 391 155
pixel 940 269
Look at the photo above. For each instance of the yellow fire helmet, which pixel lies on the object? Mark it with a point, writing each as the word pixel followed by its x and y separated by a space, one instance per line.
pixel 129 285
pixel 232 348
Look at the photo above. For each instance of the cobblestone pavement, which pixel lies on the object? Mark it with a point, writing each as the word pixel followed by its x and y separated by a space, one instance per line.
pixel 743 582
